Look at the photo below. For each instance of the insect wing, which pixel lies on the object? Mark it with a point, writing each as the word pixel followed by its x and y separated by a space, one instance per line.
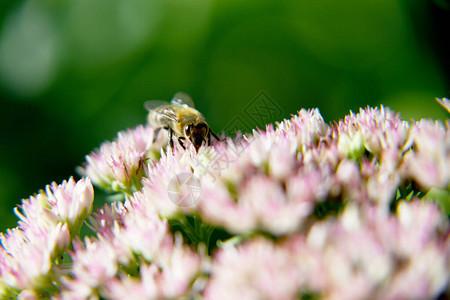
pixel 154 104
pixel 182 99
pixel 168 113
pixel 162 109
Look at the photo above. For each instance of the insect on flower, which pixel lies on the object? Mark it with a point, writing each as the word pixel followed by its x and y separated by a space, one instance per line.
pixel 181 120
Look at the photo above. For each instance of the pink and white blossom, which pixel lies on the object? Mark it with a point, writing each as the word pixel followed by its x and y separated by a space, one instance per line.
pixel 71 202
pixel 119 165
pixel 299 209
pixel 48 222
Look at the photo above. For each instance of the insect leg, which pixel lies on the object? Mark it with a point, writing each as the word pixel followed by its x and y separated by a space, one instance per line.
pixel 155 133
pixel 181 143
pixel 215 136
pixel 170 137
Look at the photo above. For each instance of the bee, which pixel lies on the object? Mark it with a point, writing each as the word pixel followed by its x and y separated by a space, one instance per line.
pixel 181 120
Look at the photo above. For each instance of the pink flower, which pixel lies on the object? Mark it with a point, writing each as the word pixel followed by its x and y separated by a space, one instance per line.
pixel 423 276
pixel 71 202
pixel 28 255
pixel 180 267
pixel 382 187
pixel 261 203
pixel 306 128
pixel 94 263
pixel 168 276
pixel 47 223
pixel 106 219
pixel 36 211
pixel 413 229
pixel 161 174
pixel 28 295
pixel 260 190
pixel 367 254
pixel 380 128
pixel 300 209
pixel 348 174
pixel 255 270
pixel 143 231
pixel 351 146
pixel 428 162
pixel 129 288
pixel 119 166
pixel 217 202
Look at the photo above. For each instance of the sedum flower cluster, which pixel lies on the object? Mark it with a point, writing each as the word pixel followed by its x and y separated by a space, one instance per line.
pixel 303 209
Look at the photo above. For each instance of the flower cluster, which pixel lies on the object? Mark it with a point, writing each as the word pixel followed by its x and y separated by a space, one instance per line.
pixel 30 253
pixel 302 209
pixel 119 165
pixel 353 257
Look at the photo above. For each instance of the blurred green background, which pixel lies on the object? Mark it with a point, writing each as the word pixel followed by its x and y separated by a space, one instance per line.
pixel 75 72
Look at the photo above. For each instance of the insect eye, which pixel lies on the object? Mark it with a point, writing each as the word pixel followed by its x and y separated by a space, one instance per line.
pixel 187 130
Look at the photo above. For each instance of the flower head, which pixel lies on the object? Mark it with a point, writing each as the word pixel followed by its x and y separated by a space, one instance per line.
pixel 254 270
pixel 428 161
pixel 301 209
pixel 27 256
pixel 48 221
pixel 71 202
pixel 119 165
